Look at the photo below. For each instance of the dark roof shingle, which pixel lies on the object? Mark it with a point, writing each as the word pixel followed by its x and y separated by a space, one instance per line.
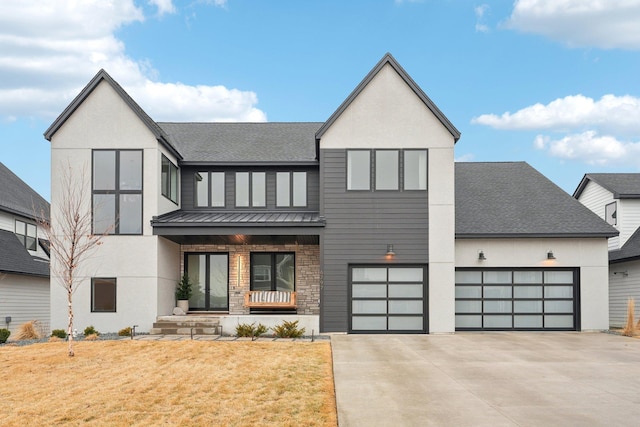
pixel 515 200
pixel 18 198
pixel 629 251
pixel 244 142
pixel 622 185
pixel 14 257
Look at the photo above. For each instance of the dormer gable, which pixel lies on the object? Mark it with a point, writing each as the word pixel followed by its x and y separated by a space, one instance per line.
pixel 383 97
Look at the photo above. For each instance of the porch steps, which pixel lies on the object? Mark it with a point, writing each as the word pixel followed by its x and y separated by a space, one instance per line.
pixel 186 325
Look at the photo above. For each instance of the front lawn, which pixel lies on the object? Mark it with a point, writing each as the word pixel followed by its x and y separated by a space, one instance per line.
pixel 123 383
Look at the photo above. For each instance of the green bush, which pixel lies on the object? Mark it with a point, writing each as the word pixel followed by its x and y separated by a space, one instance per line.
pixel 184 289
pixel 125 332
pixel 4 335
pixel 250 330
pixel 90 330
pixel 288 330
pixel 60 333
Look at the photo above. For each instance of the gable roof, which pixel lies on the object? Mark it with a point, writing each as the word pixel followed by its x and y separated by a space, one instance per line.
pixel 15 259
pixel 629 251
pixel 515 200
pixel 244 142
pixel 389 59
pixel 102 75
pixel 18 198
pixel 622 185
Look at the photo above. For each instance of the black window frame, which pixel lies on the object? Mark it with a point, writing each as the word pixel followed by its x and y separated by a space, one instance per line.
pixel 273 276
pixel 403 162
pixel 373 170
pixel 611 218
pixel 250 190
pixel 370 169
pixel 292 189
pixel 167 180
pixel 115 294
pixel 24 236
pixel 209 189
pixel 114 229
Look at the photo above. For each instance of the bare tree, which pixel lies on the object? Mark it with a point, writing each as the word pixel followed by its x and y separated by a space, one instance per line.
pixel 70 235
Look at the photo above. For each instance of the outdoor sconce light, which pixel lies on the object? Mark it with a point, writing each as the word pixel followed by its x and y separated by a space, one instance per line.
pixel 624 273
pixel 550 254
pixel 390 252
pixel 481 256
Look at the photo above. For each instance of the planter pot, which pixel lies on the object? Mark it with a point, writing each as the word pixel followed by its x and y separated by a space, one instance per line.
pixel 184 305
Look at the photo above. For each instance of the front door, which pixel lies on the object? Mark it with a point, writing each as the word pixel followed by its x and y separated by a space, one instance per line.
pixel 210 276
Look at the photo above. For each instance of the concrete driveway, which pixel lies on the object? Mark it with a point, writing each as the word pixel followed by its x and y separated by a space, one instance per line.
pixel 487 379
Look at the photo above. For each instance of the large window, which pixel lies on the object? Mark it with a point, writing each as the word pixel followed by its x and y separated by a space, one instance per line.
pixel 210 189
pixel 291 189
pixel 273 271
pixel 251 189
pixel 103 295
pixel 117 191
pixel 389 167
pixel 169 180
pixel 27 234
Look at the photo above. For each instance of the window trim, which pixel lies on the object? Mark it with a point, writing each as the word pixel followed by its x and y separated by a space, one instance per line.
pixel 273 277
pixel 24 236
pixel 115 294
pixel 403 170
pixel 399 170
pixel 165 188
pixel 117 192
pixel 209 190
pixel 347 170
pixel 250 203
pixel 614 215
pixel 292 189
pixel 373 169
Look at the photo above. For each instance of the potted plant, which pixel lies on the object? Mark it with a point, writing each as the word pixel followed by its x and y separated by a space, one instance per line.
pixel 183 292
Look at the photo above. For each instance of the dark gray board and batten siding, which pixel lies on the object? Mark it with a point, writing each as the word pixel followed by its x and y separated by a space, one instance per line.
pixel 359 226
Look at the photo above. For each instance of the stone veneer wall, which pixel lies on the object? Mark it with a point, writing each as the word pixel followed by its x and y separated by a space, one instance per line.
pixel 307 272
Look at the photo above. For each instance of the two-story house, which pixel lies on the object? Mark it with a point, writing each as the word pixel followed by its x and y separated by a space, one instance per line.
pixel 24 257
pixel 363 220
pixel 615 197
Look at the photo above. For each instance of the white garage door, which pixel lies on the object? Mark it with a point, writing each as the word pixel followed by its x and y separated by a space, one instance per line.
pixel 523 299
pixel 388 299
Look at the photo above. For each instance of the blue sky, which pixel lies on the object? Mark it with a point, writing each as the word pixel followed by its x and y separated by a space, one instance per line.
pixel 551 82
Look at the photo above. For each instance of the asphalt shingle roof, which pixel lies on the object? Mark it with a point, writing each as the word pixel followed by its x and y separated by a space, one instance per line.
pixel 244 142
pixel 630 250
pixel 622 185
pixel 18 198
pixel 515 200
pixel 14 257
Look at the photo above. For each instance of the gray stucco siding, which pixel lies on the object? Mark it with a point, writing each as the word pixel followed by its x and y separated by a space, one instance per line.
pixel 359 226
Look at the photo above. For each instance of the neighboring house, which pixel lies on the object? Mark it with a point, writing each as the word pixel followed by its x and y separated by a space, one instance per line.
pixel 24 257
pixel 365 217
pixel 615 197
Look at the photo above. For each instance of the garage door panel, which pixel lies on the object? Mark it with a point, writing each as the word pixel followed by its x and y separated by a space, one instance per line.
pixel 543 298
pixel 388 298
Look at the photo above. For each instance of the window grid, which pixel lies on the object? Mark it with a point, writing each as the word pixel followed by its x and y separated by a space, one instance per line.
pixel 291 189
pixel 384 173
pixel 169 180
pixel 27 234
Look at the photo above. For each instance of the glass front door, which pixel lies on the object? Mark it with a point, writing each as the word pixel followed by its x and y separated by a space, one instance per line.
pixel 209 274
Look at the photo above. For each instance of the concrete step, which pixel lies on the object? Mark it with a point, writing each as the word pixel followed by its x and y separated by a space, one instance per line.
pixel 186 325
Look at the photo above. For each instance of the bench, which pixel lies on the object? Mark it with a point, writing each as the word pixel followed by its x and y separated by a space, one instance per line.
pixel 270 299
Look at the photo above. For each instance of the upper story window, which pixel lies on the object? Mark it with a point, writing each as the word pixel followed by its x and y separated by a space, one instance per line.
pixel 117 191
pixel 611 213
pixel 389 166
pixel 358 170
pixel 291 189
pixel 415 169
pixel 27 234
pixel 169 180
pixel 251 189
pixel 210 189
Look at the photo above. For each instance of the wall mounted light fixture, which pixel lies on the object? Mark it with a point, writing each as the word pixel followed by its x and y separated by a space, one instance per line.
pixel 481 256
pixel 622 273
pixel 550 254
pixel 390 252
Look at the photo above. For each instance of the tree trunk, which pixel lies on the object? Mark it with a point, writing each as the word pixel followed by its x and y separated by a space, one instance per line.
pixel 70 328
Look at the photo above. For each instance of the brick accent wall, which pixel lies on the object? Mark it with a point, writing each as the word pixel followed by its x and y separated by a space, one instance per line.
pixel 307 272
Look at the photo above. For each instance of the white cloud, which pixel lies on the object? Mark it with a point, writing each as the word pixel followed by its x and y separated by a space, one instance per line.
pixel 465 158
pixel 480 12
pixel 609 113
pixel 591 148
pixel 164 6
pixel 52 48
pixel 606 24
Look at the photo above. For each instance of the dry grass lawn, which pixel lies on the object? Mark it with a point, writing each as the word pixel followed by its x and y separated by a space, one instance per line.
pixel 185 383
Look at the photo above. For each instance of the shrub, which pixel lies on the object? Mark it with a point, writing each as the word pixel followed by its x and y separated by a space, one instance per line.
pixel 28 331
pixel 60 333
pixel 4 335
pixel 184 290
pixel 630 327
pixel 288 330
pixel 91 337
pixel 250 330
pixel 54 338
pixel 125 332
pixel 90 330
